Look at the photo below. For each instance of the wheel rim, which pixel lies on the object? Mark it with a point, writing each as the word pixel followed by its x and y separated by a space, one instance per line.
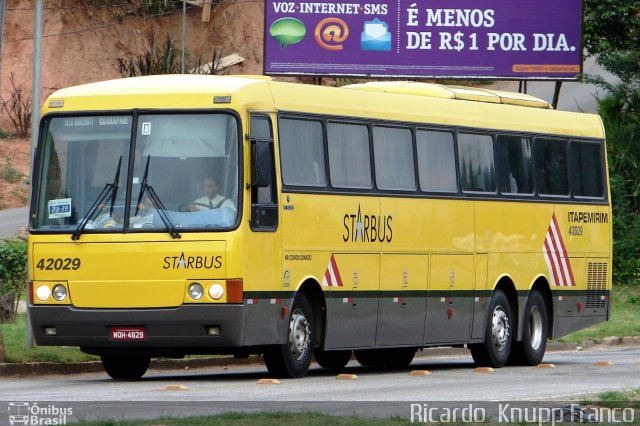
pixel 535 327
pixel 500 328
pixel 299 335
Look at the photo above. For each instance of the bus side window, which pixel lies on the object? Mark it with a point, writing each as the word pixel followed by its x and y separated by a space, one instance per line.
pixel 475 160
pixel 552 166
pixel 515 165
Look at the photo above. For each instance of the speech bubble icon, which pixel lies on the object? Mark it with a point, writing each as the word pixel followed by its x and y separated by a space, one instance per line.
pixel 287 31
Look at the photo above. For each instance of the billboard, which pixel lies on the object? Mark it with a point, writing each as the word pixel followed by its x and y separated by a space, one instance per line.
pixel 514 39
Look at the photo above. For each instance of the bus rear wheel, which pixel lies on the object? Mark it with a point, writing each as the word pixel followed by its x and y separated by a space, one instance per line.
pixel 494 351
pixel 125 367
pixel 332 359
pixel 292 359
pixel 536 330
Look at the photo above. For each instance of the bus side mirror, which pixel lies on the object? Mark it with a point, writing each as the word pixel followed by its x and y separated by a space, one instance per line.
pixel 261 162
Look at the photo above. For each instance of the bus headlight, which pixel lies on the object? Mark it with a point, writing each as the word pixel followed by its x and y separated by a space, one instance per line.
pixel 196 291
pixel 216 291
pixel 59 293
pixel 43 292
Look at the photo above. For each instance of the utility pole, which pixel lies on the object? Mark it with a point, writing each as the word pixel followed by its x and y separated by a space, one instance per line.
pixel 184 34
pixel 2 6
pixel 35 112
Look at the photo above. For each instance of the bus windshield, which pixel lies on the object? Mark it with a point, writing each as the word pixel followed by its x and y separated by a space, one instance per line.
pixel 151 172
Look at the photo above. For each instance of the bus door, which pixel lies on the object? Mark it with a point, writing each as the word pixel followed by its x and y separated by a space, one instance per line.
pixel 262 254
pixel 449 304
pixel 403 284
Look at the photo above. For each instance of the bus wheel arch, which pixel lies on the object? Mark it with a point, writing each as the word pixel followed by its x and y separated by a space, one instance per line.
pixel 499 327
pixel 313 291
pixel 304 320
pixel 506 285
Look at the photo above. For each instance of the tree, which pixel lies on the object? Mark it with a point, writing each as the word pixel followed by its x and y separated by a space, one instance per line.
pixel 611 32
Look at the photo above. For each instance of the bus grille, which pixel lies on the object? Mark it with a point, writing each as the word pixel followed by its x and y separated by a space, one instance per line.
pixel 596 285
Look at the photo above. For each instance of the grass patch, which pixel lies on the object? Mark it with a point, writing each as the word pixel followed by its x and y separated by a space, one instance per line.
pixel 624 321
pixel 261 419
pixel 10 173
pixel 621 399
pixel 14 343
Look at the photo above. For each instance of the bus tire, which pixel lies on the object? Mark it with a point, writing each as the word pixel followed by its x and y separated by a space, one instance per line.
pixel 494 351
pixel 534 334
pixel 332 359
pixel 125 367
pixel 370 357
pixel 292 359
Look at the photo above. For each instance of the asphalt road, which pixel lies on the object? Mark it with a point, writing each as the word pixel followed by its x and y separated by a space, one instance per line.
pixel 453 382
pixel 11 220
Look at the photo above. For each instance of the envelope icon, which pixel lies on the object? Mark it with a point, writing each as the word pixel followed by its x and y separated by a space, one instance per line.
pixel 375 36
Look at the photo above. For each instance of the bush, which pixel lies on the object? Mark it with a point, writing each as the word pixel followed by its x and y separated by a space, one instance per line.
pixel 620 112
pixel 13 276
pixel 18 108
pixel 9 173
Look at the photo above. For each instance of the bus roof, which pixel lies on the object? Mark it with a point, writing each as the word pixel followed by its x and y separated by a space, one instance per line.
pixel 400 101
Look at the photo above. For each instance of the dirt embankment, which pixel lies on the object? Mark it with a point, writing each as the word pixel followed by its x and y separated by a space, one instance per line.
pixel 81 44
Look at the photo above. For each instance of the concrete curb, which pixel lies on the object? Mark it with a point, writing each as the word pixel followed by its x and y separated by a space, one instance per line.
pixel 46 368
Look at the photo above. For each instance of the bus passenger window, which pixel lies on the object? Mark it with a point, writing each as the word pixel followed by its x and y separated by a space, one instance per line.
pixel 515 164
pixel 349 157
pixel 302 152
pixel 393 153
pixel 475 158
pixel 552 166
pixel 436 161
pixel 586 170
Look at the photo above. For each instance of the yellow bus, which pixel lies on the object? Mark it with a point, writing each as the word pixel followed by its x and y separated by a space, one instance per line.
pixel 177 215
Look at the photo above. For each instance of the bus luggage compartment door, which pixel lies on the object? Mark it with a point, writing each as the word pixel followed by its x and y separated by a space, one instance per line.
pixel 352 308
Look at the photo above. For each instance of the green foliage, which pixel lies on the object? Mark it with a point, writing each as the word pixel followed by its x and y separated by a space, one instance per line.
pixel 13 270
pixel 612 32
pixel 620 112
pixel 9 173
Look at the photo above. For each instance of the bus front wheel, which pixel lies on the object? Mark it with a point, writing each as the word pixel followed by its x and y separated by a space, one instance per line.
pixel 536 330
pixel 292 359
pixel 494 351
pixel 125 367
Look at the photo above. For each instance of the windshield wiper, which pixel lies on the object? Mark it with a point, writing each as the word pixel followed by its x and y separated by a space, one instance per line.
pixel 153 196
pixel 110 189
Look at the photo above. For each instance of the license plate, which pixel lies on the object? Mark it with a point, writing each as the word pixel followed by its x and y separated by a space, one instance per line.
pixel 127 333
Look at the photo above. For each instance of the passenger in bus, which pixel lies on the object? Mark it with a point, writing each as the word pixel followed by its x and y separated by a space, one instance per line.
pixel 211 198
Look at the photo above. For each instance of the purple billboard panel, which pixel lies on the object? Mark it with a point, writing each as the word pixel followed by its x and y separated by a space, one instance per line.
pixel 515 39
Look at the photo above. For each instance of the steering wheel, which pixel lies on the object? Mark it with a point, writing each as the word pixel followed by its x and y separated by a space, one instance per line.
pixel 183 207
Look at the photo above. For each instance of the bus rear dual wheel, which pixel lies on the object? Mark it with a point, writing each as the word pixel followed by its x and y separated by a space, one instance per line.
pixel 498 347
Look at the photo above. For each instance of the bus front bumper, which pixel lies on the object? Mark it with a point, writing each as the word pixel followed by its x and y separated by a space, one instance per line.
pixel 187 326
